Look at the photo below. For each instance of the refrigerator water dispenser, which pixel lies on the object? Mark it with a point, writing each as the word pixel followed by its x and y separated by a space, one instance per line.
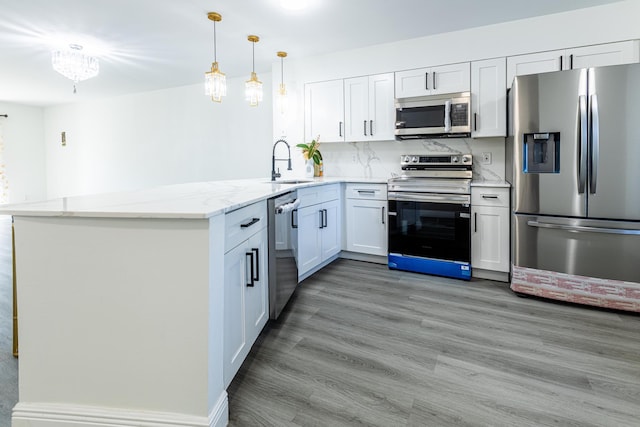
pixel 541 152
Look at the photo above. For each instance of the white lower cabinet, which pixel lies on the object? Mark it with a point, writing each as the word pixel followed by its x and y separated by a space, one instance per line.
pixel 366 219
pixel 490 231
pixel 319 227
pixel 246 293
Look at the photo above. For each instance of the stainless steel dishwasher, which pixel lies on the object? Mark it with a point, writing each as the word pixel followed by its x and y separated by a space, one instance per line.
pixel 283 250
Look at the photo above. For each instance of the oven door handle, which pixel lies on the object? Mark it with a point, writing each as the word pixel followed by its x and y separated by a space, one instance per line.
pixel 458 199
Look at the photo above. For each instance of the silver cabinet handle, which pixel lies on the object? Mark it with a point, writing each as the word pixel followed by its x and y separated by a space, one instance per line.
pixel 583 228
pixel 595 144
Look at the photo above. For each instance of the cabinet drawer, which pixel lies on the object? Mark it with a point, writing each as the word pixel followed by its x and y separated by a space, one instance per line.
pixel 243 223
pixel 490 196
pixel 310 196
pixel 366 191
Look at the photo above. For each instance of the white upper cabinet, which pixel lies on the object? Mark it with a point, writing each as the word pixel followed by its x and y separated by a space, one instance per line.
pixel 324 111
pixel 603 54
pixel 488 98
pixel 433 80
pixel 626 52
pixel 369 108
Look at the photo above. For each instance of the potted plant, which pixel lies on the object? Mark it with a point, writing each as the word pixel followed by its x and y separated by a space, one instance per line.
pixel 312 155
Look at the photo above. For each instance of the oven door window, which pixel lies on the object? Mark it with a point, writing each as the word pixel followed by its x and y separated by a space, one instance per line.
pixel 430 230
pixel 420 117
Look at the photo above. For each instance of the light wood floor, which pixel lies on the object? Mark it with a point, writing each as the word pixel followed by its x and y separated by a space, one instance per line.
pixel 362 345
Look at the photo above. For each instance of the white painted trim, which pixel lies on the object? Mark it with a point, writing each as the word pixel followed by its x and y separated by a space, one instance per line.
pixel 378 259
pixel 480 273
pixel 60 414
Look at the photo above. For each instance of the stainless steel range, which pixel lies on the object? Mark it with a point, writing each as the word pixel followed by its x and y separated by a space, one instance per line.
pixel 430 215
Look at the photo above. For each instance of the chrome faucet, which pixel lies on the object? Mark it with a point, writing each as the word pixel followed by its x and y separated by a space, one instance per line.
pixel 275 174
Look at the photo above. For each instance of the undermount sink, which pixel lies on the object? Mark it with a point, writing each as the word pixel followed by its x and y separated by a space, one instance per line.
pixel 290 181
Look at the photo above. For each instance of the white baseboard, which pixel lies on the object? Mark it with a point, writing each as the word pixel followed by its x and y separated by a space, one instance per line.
pixel 364 257
pixel 28 414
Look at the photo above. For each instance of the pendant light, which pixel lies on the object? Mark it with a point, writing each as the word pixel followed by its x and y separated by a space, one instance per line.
pixel 215 82
pixel 253 86
pixel 281 99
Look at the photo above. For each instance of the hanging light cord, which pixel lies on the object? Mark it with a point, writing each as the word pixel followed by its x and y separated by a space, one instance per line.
pixel 282 70
pixel 253 56
pixel 215 48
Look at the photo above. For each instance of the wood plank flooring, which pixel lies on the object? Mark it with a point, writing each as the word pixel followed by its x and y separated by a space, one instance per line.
pixel 362 345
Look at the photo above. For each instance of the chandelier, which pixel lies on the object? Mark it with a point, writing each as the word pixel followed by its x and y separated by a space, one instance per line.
pixel 253 86
pixel 215 82
pixel 75 65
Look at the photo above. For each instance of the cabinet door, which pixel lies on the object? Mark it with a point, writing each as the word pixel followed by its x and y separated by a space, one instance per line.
pixel 534 63
pixel 490 238
pixel 413 83
pixel 489 98
pixel 382 111
pixel 324 111
pixel 356 104
pixel 257 296
pixel 603 54
pixel 309 249
pixel 450 78
pixel 331 232
pixel 367 226
pixel 236 347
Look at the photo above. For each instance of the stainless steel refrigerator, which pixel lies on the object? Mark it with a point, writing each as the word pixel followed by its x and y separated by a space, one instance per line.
pixel 573 156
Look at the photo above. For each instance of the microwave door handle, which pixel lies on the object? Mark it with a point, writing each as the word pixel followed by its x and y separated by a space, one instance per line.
pixel 447 116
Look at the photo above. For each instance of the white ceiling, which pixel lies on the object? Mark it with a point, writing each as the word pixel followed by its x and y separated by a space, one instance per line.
pixel 154 44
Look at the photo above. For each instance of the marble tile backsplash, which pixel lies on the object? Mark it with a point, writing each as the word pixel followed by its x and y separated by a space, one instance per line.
pixel 381 159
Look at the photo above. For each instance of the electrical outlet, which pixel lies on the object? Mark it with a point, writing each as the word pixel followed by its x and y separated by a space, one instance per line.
pixel 63 138
pixel 486 158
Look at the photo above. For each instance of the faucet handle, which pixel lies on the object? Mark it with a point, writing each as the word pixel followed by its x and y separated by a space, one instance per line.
pixel 278 174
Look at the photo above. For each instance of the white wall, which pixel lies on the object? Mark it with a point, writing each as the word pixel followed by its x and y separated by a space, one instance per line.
pixel 23 155
pixel 162 137
pixel 602 24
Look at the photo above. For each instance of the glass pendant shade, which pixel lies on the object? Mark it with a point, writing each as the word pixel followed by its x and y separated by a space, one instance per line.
pixel 253 86
pixel 253 90
pixel 215 83
pixel 75 65
pixel 282 100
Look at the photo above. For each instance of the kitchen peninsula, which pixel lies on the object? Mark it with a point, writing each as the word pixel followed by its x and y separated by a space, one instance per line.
pixel 120 303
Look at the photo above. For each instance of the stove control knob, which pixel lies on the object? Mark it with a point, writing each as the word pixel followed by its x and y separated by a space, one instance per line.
pixel 414 159
pixel 406 159
pixel 455 159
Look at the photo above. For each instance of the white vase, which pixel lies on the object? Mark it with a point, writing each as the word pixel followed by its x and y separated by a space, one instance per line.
pixel 308 169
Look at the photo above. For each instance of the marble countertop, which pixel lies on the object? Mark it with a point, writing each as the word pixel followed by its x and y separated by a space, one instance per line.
pixel 196 200
pixel 189 201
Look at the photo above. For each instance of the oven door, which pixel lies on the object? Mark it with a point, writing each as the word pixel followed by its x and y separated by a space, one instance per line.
pixel 430 226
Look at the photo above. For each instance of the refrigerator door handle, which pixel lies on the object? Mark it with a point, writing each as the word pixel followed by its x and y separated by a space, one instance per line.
pixel 595 143
pixel 583 228
pixel 582 143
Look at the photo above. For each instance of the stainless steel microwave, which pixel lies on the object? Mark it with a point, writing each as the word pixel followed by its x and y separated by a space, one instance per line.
pixel 433 116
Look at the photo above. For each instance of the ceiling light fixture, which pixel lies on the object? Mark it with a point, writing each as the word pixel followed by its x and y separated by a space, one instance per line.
pixel 253 86
pixel 74 65
pixel 215 82
pixel 282 91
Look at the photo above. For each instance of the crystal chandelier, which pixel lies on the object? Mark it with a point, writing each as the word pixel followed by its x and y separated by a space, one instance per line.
pixel 215 82
pixel 253 86
pixel 281 99
pixel 75 65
